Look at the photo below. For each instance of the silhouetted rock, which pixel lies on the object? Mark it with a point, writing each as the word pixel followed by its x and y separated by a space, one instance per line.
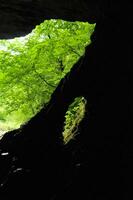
pixel 96 164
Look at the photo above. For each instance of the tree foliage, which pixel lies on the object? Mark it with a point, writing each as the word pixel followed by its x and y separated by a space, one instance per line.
pixel 73 117
pixel 32 66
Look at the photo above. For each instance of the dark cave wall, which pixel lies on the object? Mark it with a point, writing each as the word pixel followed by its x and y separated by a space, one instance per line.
pixel 99 154
pixel 20 17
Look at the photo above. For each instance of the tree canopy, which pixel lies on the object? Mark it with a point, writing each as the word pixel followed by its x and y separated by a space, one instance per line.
pixel 32 66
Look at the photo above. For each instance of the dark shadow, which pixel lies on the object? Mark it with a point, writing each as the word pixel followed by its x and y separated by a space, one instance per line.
pixel 95 164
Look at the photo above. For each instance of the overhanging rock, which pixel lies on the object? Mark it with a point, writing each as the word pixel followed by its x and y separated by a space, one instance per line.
pixel 18 18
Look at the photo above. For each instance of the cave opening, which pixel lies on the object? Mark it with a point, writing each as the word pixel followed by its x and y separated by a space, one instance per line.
pixel 94 163
pixel 32 66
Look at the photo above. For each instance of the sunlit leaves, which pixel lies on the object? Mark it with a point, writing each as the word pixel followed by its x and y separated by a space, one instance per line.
pixel 32 66
pixel 73 117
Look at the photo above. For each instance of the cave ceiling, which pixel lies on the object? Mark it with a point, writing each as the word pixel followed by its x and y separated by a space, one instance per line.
pixel 18 18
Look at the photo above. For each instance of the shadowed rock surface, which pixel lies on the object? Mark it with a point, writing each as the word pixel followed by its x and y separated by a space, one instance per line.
pixel 20 17
pixel 96 165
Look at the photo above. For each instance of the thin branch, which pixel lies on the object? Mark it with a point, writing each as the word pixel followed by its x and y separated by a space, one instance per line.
pixel 73 50
pixel 42 78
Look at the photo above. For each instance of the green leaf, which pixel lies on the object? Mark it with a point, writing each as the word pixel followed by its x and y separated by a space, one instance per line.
pixel 32 66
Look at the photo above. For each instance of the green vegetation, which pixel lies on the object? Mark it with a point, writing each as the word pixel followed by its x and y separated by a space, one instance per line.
pixel 73 117
pixel 32 66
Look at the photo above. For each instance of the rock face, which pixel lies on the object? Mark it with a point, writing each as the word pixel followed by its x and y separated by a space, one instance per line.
pixel 20 17
pixel 17 18
pixel 98 162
